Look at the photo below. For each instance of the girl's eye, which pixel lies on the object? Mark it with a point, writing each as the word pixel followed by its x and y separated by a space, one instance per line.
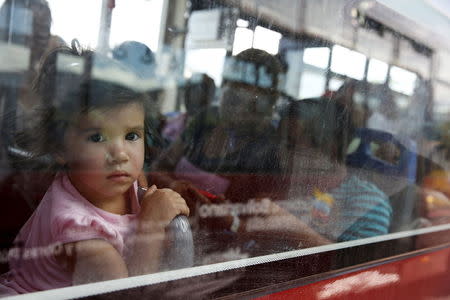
pixel 96 138
pixel 132 136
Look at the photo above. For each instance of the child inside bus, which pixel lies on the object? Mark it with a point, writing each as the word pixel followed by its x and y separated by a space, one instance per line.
pixel 342 206
pixel 90 225
pixel 325 203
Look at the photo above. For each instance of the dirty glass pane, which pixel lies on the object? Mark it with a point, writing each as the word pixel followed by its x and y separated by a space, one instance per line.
pixel 402 81
pixel 377 72
pixel 347 62
pixel 237 144
pixel 317 57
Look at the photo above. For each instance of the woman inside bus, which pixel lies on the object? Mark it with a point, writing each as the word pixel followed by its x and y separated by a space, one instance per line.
pixel 238 138
pixel 198 95
pixel 229 152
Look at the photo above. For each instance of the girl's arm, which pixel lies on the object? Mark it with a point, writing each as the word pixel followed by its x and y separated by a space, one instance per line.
pixel 93 260
pixel 97 260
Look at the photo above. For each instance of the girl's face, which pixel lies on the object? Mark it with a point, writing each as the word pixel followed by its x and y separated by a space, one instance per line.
pixel 104 151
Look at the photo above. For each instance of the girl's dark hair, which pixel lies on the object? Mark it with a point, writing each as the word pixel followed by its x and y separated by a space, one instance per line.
pixel 66 89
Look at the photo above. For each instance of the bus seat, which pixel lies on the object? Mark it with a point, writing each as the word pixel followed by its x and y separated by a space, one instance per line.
pixel 397 179
pixel 364 157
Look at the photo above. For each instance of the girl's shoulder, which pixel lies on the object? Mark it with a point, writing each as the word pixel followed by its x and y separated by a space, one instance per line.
pixel 72 218
pixel 62 198
pixel 62 217
pixel 66 206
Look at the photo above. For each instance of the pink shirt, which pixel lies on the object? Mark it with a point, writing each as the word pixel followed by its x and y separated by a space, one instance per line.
pixel 63 216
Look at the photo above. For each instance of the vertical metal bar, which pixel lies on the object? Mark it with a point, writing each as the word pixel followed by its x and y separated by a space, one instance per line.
pixel 105 26
pixel 173 33
pixel 366 92
pixel 328 73
pixel 11 18
pixel 163 25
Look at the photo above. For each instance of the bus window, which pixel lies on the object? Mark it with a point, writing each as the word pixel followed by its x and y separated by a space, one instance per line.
pixel 402 81
pixel 377 72
pixel 220 149
pixel 340 62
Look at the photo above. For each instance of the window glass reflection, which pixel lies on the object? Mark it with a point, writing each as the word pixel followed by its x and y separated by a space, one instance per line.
pixel 87 29
pixel 441 104
pixel 242 23
pixel 335 84
pixel 317 57
pixel 377 71
pixel 402 81
pixel 243 39
pixel 275 141
pixel 312 84
pixel 132 22
pixel 206 61
pixel 266 39
pixel 347 62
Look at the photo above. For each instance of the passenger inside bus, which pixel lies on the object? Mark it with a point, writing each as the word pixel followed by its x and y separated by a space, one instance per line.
pixel 434 204
pixel 90 225
pixel 340 206
pixel 318 200
pixel 255 182
pixel 199 93
pixel 227 155
pixel 347 95
pixel 238 138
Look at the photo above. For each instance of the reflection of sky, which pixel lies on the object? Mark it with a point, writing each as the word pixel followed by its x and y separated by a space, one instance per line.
pixel 347 62
pixel 242 23
pixel 262 38
pixel 402 81
pixel 137 20
pixel 317 57
pixel 208 61
pixel 267 40
pixel 377 71
pixel 335 84
pixel 243 39
pixel 76 19
pixel 312 84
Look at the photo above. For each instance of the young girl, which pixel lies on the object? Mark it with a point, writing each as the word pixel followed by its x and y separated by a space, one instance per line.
pixel 90 225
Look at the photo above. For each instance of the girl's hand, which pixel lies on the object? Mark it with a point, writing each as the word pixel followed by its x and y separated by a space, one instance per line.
pixel 142 180
pixel 159 207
